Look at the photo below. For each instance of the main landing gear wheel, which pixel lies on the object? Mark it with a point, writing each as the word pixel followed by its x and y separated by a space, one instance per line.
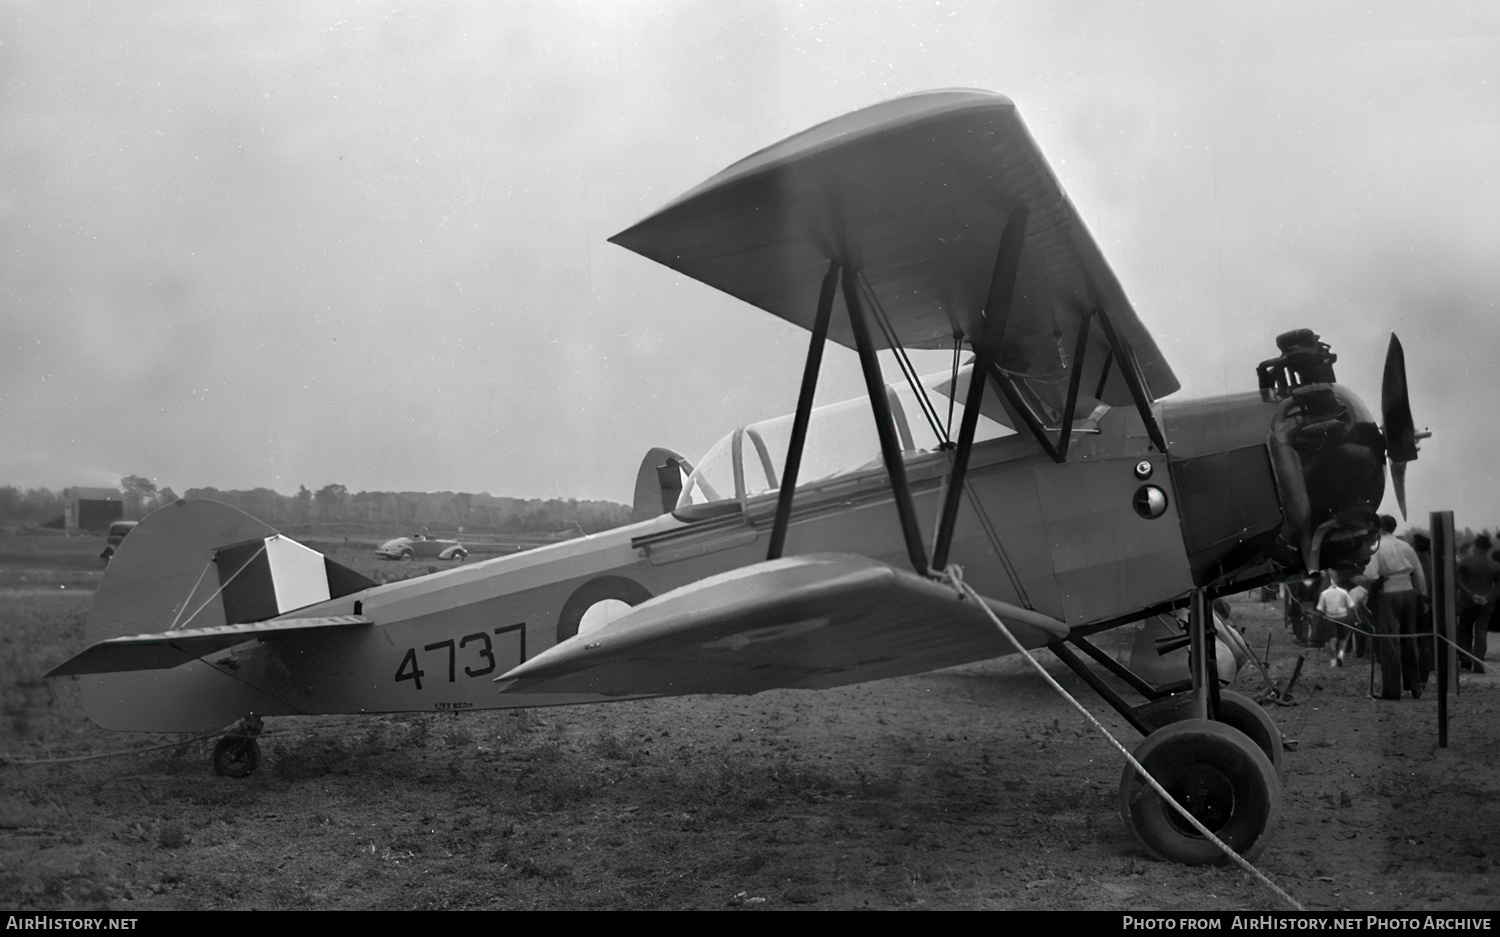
pixel 1223 779
pixel 236 756
pixel 1235 710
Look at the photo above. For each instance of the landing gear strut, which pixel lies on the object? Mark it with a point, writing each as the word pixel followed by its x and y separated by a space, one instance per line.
pixel 1216 752
pixel 237 755
pixel 1235 710
pixel 1214 756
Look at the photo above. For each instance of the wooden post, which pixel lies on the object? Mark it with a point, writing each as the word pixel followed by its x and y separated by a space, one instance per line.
pixel 1444 604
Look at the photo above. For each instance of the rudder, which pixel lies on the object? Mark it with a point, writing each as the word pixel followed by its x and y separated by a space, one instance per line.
pixel 197 564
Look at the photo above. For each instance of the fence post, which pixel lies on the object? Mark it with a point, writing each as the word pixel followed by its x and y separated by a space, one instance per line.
pixel 1444 604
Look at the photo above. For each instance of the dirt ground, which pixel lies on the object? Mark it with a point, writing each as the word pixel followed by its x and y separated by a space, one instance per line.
pixel 971 788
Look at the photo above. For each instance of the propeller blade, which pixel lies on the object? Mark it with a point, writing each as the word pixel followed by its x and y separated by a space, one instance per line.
pixel 1395 407
pixel 1398 484
pixel 1400 430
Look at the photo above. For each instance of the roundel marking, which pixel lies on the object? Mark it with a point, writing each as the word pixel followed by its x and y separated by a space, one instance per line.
pixel 591 593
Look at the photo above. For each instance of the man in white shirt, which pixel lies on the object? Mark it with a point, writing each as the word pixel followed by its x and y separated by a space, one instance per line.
pixel 1398 615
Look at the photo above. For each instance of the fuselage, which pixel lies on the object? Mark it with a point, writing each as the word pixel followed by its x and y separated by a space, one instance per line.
pixel 1081 541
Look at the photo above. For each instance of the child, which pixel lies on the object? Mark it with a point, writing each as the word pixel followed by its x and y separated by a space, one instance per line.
pixel 1337 607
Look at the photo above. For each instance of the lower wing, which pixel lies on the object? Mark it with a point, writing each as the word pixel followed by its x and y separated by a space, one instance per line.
pixel 808 622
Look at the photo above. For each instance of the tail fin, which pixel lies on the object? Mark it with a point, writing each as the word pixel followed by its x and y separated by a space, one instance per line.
pixel 201 564
pixel 195 565
pixel 269 576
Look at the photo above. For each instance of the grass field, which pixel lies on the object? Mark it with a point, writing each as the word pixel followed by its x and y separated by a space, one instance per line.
pixel 975 787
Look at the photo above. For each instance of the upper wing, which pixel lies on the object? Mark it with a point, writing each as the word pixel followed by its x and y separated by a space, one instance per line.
pixel 813 621
pixel 914 192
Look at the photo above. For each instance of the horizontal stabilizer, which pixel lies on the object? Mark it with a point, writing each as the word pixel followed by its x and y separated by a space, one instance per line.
pixel 809 622
pixel 173 648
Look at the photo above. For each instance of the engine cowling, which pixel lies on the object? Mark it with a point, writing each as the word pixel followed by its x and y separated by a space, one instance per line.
pixel 1329 457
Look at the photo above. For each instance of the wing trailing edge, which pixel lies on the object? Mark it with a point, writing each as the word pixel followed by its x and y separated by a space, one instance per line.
pixel 810 622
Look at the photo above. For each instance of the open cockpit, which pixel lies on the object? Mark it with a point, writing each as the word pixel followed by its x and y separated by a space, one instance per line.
pixel 842 441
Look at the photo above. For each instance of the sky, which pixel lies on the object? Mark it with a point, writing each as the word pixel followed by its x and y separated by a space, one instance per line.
pixel 280 244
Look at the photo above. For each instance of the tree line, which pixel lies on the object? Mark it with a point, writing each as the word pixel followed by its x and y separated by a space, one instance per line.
pixel 444 511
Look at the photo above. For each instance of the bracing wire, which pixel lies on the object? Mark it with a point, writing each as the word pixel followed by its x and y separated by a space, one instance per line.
pixel 222 586
pixel 191 592
pixel 907 369
pixel 953 382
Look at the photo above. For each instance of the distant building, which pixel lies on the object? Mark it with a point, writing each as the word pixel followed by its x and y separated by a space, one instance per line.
pixel 92 509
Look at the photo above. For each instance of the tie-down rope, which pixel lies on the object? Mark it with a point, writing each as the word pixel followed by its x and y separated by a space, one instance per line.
pixel 1356 628
pixel 953 575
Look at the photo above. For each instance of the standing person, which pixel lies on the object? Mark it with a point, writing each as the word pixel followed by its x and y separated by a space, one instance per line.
pixel 1300 594
pixel 1405 659
pixel 1336 606
pixel 1422 544
pixel 1478 589
pixel 1481 640
pixel 1362 621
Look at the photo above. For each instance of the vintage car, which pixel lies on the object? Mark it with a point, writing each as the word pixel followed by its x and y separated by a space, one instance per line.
pixel 117 532
pixel 421 547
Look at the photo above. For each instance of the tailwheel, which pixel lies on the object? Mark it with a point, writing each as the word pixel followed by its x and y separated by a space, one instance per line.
pixel 237 754
pixel 1235 710
pixel 1220 775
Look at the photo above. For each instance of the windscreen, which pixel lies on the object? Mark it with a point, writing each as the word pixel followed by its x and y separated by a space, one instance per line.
pixel 841 440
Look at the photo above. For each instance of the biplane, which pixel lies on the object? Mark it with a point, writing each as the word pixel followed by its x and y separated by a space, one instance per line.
pixel 1043 479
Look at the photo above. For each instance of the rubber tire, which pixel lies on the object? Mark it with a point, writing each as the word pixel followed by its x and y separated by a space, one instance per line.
pixel 1235 709
pixel 236 756
pixel 407 556
pixel 1187 755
